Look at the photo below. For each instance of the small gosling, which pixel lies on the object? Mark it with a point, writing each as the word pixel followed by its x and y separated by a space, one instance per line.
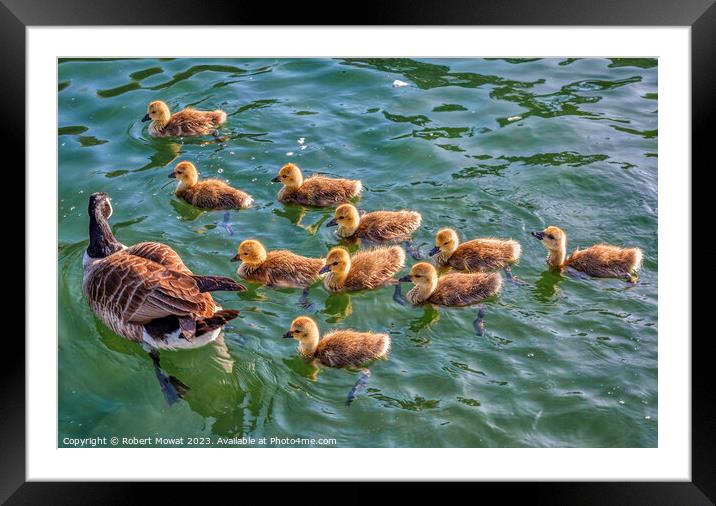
pixel 451 290
pixel 599 261
pixel 477 255
pixel 365 270
pixel 211 194
pixel 339 348
pixel 317 191
pixel 186 123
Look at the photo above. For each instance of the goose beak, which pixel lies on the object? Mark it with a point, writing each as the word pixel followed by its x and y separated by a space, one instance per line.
pixel 405 279
pixel 324 269
pixel 146 118
pixel 287 335
pixel 276 180
pixel 538 235
pixel 172 175
pixel 236 258
pixel 332 223
pixel 434 251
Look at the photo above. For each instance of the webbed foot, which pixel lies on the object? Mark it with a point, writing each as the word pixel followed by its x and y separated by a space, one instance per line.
pixel 398 295
pixel 479 323
pixel 305 302
pixel 359 385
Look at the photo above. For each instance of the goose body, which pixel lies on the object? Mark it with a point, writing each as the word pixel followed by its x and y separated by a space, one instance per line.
pixel 338 348
pixel 375 227
pixel 210 194
pixel 483 254
pixel 317 191
pixel 145 292
pixel 365 270
pixel 279 268
pixel 186 123
pixel 451 290
pixel 599 261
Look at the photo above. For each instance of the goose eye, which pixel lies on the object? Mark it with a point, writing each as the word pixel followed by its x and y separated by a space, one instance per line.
pixel 445 243
pixel 550 236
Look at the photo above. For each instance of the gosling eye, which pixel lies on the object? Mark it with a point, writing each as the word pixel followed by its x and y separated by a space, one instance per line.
pixel 445 243
pixel 550 236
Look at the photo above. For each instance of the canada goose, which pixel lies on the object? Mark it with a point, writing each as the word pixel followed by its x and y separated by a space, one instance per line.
pixel 451 290
pixel 365 270
pixel 376 226
pixel 599 261
pixel 477 255
pixel 339 348
pixel 146 294
pixel 317 191
pixel 186 123
pixel 278 268
pixel 212 194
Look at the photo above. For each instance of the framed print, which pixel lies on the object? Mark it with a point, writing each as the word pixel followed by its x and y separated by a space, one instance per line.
pixel 453 248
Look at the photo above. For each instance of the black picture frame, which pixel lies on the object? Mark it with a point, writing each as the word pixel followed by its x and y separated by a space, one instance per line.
pixel 700 15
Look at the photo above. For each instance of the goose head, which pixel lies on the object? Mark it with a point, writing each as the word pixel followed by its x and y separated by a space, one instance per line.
pixel 250 252
pixel 185 173
pixel 446 242
pixel 346 218
pixel 338 262
pixel 157 111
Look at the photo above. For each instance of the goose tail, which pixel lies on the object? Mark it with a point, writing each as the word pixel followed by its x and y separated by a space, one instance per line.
pixel 219 319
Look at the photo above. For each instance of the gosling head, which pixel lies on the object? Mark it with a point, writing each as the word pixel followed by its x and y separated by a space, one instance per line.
pixel 157 111
pixel 346 218
pixel 290 175
pixel 303 329
pixel 99 202
pixel 186 173
pixel 446 242
pixel 338 262
pixel 250 252
pixel 553 238
pixel 422 274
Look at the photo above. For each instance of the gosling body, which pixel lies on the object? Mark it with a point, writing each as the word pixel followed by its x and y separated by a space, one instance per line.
pixel 599 261
pixel 317 191
pixel 375 227
pixel 451 290
pixel 279 268
pixel 186 123
pixel 209 194
pixel 365 270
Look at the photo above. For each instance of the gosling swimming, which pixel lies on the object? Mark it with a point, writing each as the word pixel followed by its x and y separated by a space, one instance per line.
pixel 599 261
pixel 365 270
pixel 186 123
pixel 278 268
pixel 211 194
pixel 317 191
pixel 451 290
pixel 377 226
pixel 477 255
pixel 339 348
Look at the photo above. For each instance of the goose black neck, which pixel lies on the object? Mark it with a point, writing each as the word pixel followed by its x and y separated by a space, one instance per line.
pixel 102 241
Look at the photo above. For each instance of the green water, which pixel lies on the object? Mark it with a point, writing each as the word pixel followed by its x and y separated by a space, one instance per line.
pixel 490 147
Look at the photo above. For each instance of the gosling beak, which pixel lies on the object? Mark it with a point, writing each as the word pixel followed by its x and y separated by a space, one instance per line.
pixel 276 180
pixel 405 279
pixel 172 175
pixel 324 269
pixel 538 235
pixel 332 223
pixel 434 251
pixel 146 118
pixel 287 335
pixel 236 258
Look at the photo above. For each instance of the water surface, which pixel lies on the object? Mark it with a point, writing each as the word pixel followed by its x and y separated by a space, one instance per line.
pixel 491 147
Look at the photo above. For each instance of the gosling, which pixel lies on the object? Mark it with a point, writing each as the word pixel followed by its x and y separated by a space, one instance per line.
pixel 339 348
pixel 186 123
pixel 599 261
pixel 210 194
pixel 316 191
pixel 451 290
pixel 477 255
pixel 365 270
pixel 377 226
pixel 279 268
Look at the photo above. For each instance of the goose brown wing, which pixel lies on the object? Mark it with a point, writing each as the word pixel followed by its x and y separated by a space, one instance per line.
pixel 159 253
pixel 138 290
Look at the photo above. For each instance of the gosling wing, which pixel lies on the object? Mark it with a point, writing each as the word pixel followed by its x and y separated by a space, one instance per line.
pixel 388 225
pixel 463 289
pixel 604 261
pixel 347 348
pixel 373 268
